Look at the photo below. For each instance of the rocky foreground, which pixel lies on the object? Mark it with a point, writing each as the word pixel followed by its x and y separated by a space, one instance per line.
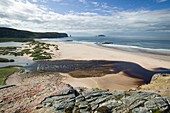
pixel 159 84
pixel 107 102
pixel 46 94
pixel 62 98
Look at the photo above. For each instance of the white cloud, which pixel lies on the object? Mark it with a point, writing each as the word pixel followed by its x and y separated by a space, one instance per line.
pixel 160 1
pixel 56 0
pixel 96 4
pixel 35 0
pixel 104 5
pixel 83 1
pixel 44 1
pixel 28 16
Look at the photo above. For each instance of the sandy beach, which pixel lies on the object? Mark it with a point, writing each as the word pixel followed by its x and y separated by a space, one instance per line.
pixel 93 52
pixel 117 81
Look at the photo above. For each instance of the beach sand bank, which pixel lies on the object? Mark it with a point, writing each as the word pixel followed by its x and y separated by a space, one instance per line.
pixel 115 81
pixel 74 51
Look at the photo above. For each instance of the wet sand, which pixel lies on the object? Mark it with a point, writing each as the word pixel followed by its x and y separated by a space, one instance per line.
pixel 74 51
pixel 126 77
pixel 109 82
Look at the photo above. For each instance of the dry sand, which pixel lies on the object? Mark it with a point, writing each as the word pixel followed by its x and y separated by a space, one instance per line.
pixel 118 81
pixel 111 81
pixel 92 52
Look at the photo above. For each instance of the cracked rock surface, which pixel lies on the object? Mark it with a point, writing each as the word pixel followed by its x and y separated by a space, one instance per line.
pixel 103 101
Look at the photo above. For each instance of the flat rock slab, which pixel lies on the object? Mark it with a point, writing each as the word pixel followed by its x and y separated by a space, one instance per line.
pixel 24 98
pixel 103 101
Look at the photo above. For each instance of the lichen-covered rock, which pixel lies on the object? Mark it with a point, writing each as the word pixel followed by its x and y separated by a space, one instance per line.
pixel 103 101
pixel 25 98
pixel 159 84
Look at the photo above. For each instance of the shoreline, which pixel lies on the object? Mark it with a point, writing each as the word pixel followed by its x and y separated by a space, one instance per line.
pixel 74 51
pixel 165 57
pixel 161 54
pixel 81 51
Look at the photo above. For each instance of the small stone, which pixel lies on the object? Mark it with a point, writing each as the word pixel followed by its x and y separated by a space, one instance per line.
pixel 47 100
pixel 39 107
pixel 101 100
pixel 48 104
pixel 94 107
pixel 141 110
pixel 115 93
pixel 161 103
pixel 83 105
pixel 84 111
pixel 88 95
pixel 10 105
pixel 60 106
pixel 92 99
pixel 137 103
pixel 80 98
pixel 1 100
pixel 76 110
pixel 151 105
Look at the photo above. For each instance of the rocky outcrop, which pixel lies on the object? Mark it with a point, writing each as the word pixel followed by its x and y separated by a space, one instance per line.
pixel 159 84
pixel 29 90
pixel 103 101
pixel 46 94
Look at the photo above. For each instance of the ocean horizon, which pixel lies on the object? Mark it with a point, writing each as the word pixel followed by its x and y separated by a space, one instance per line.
pixel 152 46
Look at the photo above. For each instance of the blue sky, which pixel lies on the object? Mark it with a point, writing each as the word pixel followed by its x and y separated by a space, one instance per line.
pixel 65 6
pixel 119 18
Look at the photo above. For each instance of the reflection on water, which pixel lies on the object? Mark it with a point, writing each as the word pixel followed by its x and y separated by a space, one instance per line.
pixel 96 68
pixel 19 61
pixel 5 44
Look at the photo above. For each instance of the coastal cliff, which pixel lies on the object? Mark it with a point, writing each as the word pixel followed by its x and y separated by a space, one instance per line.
pixel 48 95
pixel 14 33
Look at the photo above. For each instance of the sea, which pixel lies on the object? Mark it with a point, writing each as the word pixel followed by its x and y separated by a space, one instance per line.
pixel 152 46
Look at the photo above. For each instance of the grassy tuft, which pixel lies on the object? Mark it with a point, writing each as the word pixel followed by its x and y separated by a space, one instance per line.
pixel 5 72
pixel 6 60
pixel 98 72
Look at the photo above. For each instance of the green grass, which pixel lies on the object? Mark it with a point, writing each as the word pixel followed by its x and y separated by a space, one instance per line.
pixel 38 52
pixel 6 71
pixel 16 39
pixel 6 60
pixel 42 57
pixel 156 111
pixel 26 51
pixel 104 109
pixel 8 48
pixel 98 72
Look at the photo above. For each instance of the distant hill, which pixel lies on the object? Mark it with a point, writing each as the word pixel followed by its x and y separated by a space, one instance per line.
pixel 14 33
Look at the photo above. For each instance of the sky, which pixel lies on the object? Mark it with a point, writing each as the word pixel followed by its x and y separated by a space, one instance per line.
pixel 117 18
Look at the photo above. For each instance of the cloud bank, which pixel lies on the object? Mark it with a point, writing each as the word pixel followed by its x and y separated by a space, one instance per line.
pixel 23 14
